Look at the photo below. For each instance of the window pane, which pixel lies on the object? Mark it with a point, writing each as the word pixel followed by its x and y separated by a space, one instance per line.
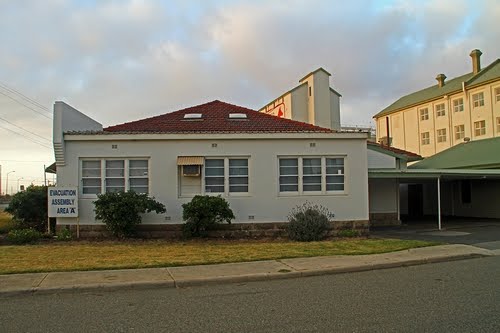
pixel 289 180
pixel 115 182
pixel 91 164
pixel 312 187
pixel 138 182
pixel 214 163
pixel 92 190
pixel 312 180
pixel 289 170
pixel 138 164
pixel 214 181
pixel 214 171
pixel 238 189
pixel 238 181
pixel 335 179
pixel 139 189
pixel 243 171
pixel 238 163
pixel 311 166
pixel 289 188
pixel 334 161
pixel 334 187
pixel 91 172
pixel 214 189
pixel 289 162
pixel 115 168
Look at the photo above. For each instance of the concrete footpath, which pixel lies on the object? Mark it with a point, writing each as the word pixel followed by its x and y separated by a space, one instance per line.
pixel 172 277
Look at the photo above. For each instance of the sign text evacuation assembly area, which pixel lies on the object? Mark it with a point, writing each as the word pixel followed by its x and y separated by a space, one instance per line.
pixel 63 201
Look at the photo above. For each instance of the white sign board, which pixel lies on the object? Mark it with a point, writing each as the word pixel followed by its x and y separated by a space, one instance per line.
pixel 63 201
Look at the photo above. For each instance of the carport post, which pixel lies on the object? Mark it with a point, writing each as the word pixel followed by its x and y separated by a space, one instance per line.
pixel 439 203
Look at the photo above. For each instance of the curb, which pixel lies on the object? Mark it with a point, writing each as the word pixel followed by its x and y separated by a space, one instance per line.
pixel 185 283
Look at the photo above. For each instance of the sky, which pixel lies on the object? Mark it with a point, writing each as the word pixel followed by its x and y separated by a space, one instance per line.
pixel 124 60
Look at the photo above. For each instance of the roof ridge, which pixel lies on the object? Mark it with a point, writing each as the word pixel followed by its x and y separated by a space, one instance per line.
pixel 482 72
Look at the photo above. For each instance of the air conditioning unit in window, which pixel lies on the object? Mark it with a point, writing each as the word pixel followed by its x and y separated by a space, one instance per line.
pixel 191 170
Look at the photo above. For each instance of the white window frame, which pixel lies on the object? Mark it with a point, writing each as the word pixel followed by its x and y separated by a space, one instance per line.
pixel 424 114
pixel 102 178
pixel 459 132
pixel 458 105
pixel 441 135
pixel 227 176
pixel 478 99
pixel 440 110
pixel 497 94
pixel 480 128
pixel 425 138
pixel 300 175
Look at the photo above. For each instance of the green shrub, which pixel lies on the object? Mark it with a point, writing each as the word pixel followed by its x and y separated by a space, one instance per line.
pixel 204 212
pixel 308 223
pixel 23 236
pixel 120 211
pixel 64 235
pixel 348 233
pixel 29 208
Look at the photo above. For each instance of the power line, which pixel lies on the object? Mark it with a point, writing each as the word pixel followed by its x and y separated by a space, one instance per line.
pixel 23 96
pixel 26 137
pixel 25 129
pixel 26 106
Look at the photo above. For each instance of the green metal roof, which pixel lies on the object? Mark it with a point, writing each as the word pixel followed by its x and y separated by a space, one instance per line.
pixel 478 154
pixel 433 173
pixel 490 72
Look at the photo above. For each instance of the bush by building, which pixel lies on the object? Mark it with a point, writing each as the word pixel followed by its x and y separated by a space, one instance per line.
pixel 308 223
pixel 203 213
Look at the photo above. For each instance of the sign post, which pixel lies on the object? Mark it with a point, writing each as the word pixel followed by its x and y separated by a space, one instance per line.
pixel 63 202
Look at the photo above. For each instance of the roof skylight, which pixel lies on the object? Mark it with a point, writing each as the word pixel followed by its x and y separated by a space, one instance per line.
pixel 237 116
pixel 193 116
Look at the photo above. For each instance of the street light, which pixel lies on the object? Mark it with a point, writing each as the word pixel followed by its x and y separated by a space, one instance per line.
pixel 7 182
pixel 18 179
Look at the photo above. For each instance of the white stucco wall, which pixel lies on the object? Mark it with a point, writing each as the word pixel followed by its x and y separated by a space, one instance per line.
pixel 263 202
pixel 383 196
pixel 377 160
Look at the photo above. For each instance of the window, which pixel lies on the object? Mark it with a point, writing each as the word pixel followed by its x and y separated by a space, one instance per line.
pixel 138 178
pixel 91 177
pixel 214 176
pixel 334 174
pixel 440 111
pixel 458 105
pixel 311 175
pixel 425 138
pixel 441 135
pixel 498 124
pixel 112 175
pixel 424 114
pixel 234 180
pixel 289 174
pixel 238 175
pixel 480 128
pixel 459 132
pixel 115 175
pixel 497 94
pixel 311 171
pixel 478 99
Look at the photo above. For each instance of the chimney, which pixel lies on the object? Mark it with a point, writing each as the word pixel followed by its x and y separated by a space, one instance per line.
pixel 476 60
pixel 440 79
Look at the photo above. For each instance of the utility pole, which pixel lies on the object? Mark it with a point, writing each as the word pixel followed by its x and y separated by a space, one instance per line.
pixel 44 176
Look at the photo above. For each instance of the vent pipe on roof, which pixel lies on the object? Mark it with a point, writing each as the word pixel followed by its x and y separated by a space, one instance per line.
pixel 476 60
pixel 440 79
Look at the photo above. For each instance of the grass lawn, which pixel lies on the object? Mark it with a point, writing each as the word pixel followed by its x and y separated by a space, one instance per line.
pixel 84 255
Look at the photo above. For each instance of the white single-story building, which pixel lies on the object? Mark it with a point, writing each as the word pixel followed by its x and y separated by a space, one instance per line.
pixel 263 165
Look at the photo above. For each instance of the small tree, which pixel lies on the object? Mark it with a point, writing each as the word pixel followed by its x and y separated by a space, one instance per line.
pixel 29 208
pixel 204 212
pixel 308 223
pixel 120 211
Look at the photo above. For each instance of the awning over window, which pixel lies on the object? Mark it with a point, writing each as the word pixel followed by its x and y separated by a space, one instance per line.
pixel 190 160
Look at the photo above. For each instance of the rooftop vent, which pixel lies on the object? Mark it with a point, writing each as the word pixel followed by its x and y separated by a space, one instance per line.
pixel 440 79
pixel 192 116
pixel 237 116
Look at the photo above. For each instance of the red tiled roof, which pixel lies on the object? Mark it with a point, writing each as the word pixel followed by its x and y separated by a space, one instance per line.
pixel 409 154
pixel 215 119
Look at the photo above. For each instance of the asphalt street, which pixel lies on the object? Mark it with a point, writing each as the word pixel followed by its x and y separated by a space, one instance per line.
pixel 460 296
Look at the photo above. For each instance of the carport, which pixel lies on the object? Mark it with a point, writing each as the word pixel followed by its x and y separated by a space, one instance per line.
pixel 469 192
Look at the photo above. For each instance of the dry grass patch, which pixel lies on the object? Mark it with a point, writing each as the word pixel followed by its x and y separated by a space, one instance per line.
pixel 75 256
pixel 6 223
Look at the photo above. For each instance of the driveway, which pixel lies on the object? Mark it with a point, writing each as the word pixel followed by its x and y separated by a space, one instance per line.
pixel 480 233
